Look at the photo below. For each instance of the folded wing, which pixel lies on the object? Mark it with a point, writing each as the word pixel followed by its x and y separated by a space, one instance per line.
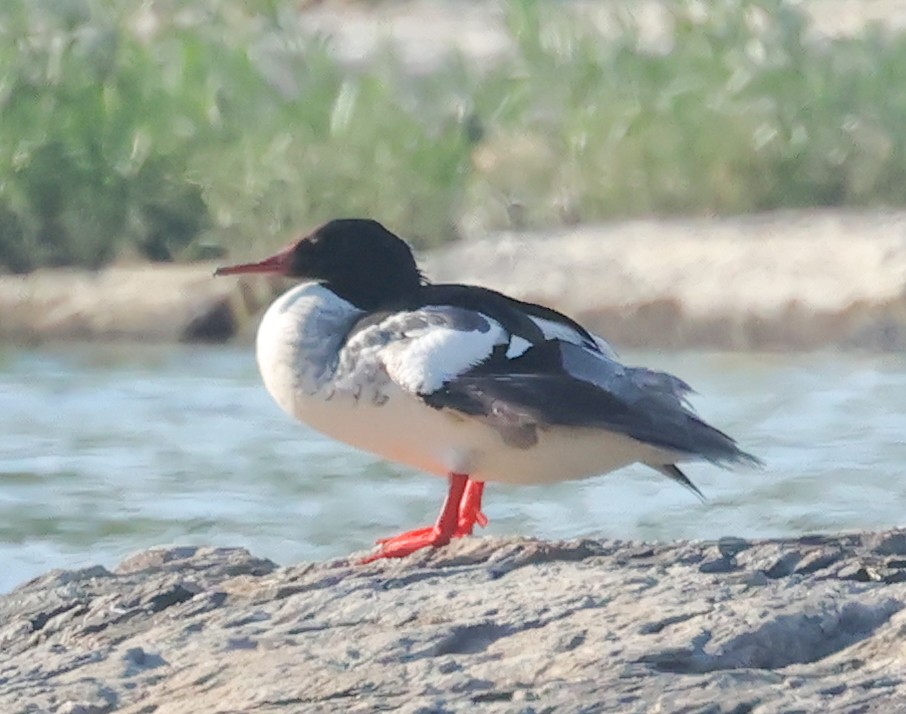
pixel 457 358
pixel 560 383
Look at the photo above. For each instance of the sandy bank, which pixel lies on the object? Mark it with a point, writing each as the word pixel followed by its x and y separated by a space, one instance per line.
pixel 788 280
pixel 162 302
pixel 515 625
pixel 785 280
pixel 424 32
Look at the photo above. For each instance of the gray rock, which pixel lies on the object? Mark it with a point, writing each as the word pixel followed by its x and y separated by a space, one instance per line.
pixel 498 625
pixel 718 565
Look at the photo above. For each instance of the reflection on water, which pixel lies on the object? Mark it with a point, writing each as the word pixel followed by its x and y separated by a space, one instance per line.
pixel 105 450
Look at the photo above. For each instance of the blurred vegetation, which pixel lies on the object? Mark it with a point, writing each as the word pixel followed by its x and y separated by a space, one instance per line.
pixel 163 129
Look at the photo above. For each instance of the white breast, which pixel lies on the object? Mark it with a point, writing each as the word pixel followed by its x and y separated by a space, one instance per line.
pixel 298 342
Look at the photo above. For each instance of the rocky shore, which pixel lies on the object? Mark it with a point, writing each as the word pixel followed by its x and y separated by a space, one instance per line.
pixel 491 625
pixel 780 281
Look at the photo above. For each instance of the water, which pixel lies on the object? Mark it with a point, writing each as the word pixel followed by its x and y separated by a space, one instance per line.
pixel 105 450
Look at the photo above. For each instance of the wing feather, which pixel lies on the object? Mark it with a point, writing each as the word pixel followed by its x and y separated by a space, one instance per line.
pixel 564 384
pixel 419 350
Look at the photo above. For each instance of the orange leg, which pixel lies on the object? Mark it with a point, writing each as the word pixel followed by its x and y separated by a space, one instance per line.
pixel 469 514
pixel 470 510
pixel 460 512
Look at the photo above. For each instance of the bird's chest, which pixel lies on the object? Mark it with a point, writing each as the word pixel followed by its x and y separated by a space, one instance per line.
pixel 307 371
pixel 298 346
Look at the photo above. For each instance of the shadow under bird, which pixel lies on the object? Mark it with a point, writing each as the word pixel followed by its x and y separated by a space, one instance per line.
pixel 458 380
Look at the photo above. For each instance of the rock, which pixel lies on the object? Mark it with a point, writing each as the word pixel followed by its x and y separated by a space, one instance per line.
pixel 890 543
pixel 214 322
pixel 718 565
pixel 730 547
pixel 505 625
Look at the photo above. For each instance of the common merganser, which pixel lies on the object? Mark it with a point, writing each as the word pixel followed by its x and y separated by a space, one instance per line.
pixel 458 380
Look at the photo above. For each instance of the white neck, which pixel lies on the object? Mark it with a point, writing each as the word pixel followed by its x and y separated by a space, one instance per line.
pixel 299 340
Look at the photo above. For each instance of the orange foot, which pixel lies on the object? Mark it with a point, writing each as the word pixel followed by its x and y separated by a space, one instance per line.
pixel 460 513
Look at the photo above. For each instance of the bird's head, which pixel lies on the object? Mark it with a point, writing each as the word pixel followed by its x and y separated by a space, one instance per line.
pixel 357 258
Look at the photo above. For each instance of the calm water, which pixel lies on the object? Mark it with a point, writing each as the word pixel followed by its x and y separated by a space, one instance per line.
pixel 105 450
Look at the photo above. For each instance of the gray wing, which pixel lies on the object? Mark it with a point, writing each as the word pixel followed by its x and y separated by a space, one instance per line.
pixel 560 383
pixel 417 350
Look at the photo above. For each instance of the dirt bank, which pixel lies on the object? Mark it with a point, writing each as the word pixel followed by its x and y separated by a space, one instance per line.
pixel 789 280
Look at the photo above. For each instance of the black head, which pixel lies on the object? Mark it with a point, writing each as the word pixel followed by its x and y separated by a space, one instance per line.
pixel 357 258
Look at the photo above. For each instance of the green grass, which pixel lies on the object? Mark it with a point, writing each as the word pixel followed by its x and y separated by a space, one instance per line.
pixel 220 126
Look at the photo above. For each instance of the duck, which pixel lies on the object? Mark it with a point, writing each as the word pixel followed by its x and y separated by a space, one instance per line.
pixel 460 381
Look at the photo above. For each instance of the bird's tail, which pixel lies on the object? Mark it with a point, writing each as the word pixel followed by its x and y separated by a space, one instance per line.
pixel 706 442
